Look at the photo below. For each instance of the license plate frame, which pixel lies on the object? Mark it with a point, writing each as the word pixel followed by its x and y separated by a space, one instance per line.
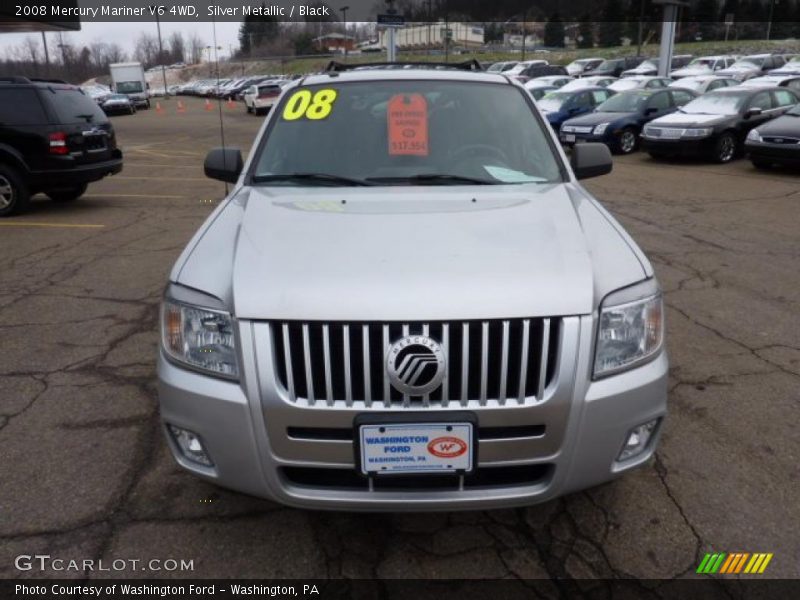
pixel 462 422
pixel 569 138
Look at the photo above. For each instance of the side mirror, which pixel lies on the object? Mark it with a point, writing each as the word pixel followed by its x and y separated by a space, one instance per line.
pixel 225 164
pixel 753 112
pixel 591 160
pixel 651 110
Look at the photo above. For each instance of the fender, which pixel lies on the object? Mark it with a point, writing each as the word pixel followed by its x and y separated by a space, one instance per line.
pixel 12 157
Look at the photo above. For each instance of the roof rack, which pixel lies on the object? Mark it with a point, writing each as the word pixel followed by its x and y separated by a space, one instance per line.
pixel 467 65
pixel 19 79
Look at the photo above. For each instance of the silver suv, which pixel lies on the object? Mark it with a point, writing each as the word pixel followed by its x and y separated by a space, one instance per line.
pixel 408 302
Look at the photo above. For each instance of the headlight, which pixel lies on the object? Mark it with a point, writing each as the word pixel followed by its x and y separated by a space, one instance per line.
pixel 600 129
pixel 199 338
pixel 754 136
pixel 567 128
pixel 630 331
pixel 697 132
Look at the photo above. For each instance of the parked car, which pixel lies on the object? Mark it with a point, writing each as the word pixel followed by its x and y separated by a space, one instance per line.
pixel 118 104
pixel 518 68
pixel 261 97
pixel 618 121
pixel 536 71
pixel 650 66
pixel 640 82
pixel 97 92
pixel 549 80
pixel 503 66
pixel 703 83
pixel 791 67
pixel 703 65
pixel 715 125
pixel 560 105
pixel 54 139
pixel 588 82
pixel 582 66
pixel 754 65
pixel 788 81
pixel 302 392
pixel 538 92
pixel 614 67
pixel 777 142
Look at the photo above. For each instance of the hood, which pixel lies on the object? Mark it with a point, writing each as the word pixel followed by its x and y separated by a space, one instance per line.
pixel 678 119
pixel 785 126
pixel 392 253
pixel 595 118
pixel 691 71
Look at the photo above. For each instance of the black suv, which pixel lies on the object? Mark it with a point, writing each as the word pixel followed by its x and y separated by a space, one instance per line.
pixel 615 66
pixel 53 139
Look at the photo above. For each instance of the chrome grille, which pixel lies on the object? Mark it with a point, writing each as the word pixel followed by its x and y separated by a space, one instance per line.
pixel 496 361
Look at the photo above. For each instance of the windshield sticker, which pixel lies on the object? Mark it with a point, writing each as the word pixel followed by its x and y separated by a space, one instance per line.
pixel 510 175
pixel 408 125
pixel 311 106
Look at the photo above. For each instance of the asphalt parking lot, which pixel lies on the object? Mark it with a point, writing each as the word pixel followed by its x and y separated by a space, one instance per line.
pixel 86 474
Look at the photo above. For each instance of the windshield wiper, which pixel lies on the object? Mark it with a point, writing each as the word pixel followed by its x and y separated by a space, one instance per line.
pixel 435 178
pixel 323 178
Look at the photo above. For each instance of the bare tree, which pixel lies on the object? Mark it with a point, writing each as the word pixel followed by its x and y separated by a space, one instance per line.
pixel 99 52
pixel 146 49
pixel 196 45
pixel 116 53
pixel 177 47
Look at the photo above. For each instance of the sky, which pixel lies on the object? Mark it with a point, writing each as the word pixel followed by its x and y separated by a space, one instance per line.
pixel 125 34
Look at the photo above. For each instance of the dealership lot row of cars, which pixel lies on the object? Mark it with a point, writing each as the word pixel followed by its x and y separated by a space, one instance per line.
pixel 714 107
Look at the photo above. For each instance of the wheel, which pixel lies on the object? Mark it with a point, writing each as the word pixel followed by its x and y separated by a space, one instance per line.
pixel 131 111
pixel 148 104
pixel 627 141
pixel 14 193
pixel 67 194
pixel 249 110
pixel 725 148
pixel 760 163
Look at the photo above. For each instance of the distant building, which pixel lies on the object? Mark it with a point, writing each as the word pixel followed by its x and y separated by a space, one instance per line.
pixel 334 42
pixel 433 35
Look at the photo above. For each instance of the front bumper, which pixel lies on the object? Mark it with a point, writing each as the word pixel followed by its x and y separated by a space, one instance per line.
pixel 698 148
pixel 784 154
pixel 245 428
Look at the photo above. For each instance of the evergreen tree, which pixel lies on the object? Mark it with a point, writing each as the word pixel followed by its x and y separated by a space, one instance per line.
pixel 611 26
pixel 554 31
pixel 257 30
pixel 585 32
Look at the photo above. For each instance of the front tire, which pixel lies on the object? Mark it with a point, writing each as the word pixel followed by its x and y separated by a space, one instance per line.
pixel 14 193
pixel 725 148
pixel 67 194
pixel 627 141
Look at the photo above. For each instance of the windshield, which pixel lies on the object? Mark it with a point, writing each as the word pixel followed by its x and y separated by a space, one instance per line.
pixel 400 132
pixel 129 87
pixel 702 62
pixel 117 97
pixel 625 102
pixel 625 84
pixel 607 64
pixel 747 63
pixel 715 104
pixel 689 84
pixel 553 101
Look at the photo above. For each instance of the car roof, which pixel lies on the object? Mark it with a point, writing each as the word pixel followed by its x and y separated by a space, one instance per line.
pixel 405 75
pixel 740 89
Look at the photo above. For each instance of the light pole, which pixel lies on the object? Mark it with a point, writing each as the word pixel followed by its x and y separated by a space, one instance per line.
pixel 769 20
pixel 64 58
pixel 154 9
pixel 46 56
pixel 344 10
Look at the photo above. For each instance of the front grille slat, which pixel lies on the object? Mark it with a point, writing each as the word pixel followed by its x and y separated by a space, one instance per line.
pixel 523 364
pixel 486 361
pixel 541 380
pixel 307 358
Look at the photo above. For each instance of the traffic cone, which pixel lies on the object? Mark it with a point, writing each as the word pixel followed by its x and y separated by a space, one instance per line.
pixel 159 110
pixel 208 105
pixel 231 103
pixel 181 107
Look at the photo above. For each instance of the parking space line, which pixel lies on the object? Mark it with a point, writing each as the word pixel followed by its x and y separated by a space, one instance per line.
pixel 161 178
pixel 130 196
pixel 38 224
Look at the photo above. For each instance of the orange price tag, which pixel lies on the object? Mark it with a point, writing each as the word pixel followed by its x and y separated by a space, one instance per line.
pixel 408 125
